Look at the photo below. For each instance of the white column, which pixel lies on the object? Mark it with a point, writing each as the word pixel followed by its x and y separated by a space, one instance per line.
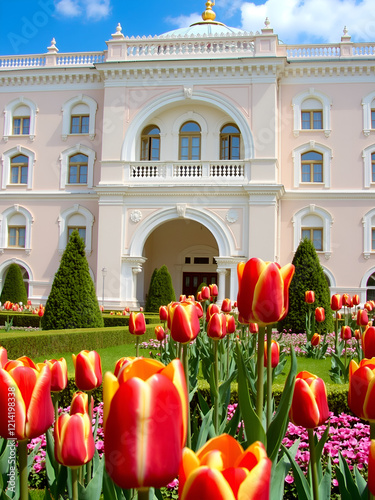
pixel 130 268
pixel 221 285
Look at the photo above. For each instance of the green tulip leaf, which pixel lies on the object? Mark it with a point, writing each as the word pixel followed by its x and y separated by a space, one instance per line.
pixel 94 488
pixel 361 483
pixel 253 426
pixel 278 426
pixel 325 483
pixel 347 484
pixel 279 472
pixel 207 429
pixel 303 487
pixel 113 492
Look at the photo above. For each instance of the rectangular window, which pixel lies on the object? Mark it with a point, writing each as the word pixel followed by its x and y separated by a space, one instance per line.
pixel 373 167
pixel 21 125
pixel 16 236
pixel 373 118
pixel 311 120
pixel 306 173
pixel 201 260
pixel 318 172
pixel 80 124
pixel 373 238
pixel 81 232
pixel 315 235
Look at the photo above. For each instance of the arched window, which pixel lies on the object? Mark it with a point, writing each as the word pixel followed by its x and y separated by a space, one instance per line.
pixel 368 156
pixel 312 111
pixel 15 228
pixel 314 223
pixel 79 116
pixel 18 169
pixel 312 167
pixel 150 144
pixel 368 105
pixel 230 142
pixel 19 118
pixel 76 217
pixel 78 169
pixel 190 141
pixel 311 114
pixel 370 285
pixel 80 119
pixel 16 231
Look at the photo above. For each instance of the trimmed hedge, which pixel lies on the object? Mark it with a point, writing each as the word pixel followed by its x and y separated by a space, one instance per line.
pixel 43 343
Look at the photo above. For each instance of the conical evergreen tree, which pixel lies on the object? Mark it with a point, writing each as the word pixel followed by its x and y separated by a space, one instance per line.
pixel 150 288
pixel 309 275
pixel 14 287
pixel 72 302
pixel 161 290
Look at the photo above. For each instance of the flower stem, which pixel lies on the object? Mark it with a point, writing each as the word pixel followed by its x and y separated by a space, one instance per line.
pixel 260 370
pixel 313 465
pixel 89 464
pixel 55 399
pixel 185 364
pixel 74 484
pixel 216 378
pixel 336 333
pixel 137 346
pixel 143 494
pixel 228 348
pixel 22 457
pixel 269 375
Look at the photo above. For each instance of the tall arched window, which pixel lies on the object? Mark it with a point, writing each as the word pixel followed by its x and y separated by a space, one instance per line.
pixel 190 141
pixel 78 164
pixel 230 142
pixel 18 169
pixel 371 287
pixel 150 143
pixel 312 167
pixel 21 120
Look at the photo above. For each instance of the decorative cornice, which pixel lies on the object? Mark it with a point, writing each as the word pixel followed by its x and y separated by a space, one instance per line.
pixel 55 76
pixel 328 195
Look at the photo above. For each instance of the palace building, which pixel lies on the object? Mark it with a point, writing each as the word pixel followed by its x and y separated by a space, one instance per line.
pixel 197 148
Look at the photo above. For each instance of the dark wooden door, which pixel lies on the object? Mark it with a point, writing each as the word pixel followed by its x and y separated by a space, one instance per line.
pixel 191 281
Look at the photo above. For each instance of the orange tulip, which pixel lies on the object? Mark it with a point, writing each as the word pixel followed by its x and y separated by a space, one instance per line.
pixel 362 317
pixel 226 306
pixel 361 395
pixel 74 441
pixel 59 374
pixel 309 405
pixel 183 321
pixel 310 297
pixel 231 323
pixel 320 314
pixel 368 342
pixel 346 332
pixel 336 302
pixel 222 470
pixel 315 341
pixel 122 362
pixel 145 423
pixel 25 398
pixel 88 370
pixel 217 326
pixel 137 323
pixel 275 353
pixel 263 295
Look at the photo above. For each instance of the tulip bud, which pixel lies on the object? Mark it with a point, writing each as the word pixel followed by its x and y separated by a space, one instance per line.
pixel 213 290
pixel 205 293
pixel 275 354
pixel 346 300
pixel 163 313
pixel 310 297
pixel 346 332
pixel 80 403
pixel 182 298
pixel 357 335
pixel 74 441
pixel 315 340
pixel 160 333
pixel 183 321
pixel 226 306
pixel 212 309
pixel 137 323
pixel 231 323
pixel 362 317
pixel 59 374
pixel 217 326
pixel 368 306
pixel 199 296
pixel 336 302
pixel 361 389
pixel 368 342
pixel 253 328
pixel 120 363
pixel 320 314
pixel 88 370
pixel 356 300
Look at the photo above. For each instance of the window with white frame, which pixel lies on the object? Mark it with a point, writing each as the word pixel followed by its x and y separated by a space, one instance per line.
pixel 311 111
pixel 77 166
pixel 230 138
pixel 313 223
pixel 18 167
pixel 190 141
pixel 76 217
pixel 79 116
pixel 312 164
pixel 368 106
pixel 15 228
pixel 368 156
pixel 150 143
pixel 368 222
pixel 20 118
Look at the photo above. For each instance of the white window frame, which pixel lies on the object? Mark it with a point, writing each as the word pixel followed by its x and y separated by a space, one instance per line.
pixel 63 221
pixel 327 160
pixel 326 102
pixel 190 116
pixel 367 227
pixel 64 161
pixel 9 110
pixel 6 160
pixel 67 115
pixel 366 105
pixel 4 223
pixel 327 221
pixel 366 155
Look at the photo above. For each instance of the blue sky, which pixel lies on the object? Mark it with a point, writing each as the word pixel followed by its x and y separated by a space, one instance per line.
pixel 84 25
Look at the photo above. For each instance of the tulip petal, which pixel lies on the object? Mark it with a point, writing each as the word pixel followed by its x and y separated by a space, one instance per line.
pixel 142 368
pixel 40 413
pixel 358 385
pixel 234 477
pixel 256 486
pixel 304 410
pixel 318 389
pixel 268 301
pixel 189 463
pixel 205 483
pixel 229 447
pixel 6 397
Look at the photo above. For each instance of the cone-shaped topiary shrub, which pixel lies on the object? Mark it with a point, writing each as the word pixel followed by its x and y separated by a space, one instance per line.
pixel 72 302
pixel 309 275
pixel 14 287
pixel 161 291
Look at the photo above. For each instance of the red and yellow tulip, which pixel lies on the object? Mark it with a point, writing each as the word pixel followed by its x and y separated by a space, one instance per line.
pixel 217 326
pixel 361 395
pixel 320 314
pixel 362 317
pixel 263 295
pixel 74 441
pixel 346 332
pixel 88 370
pixel 315 340
pixel 231 323
pixel 160 333
pixel 336 302
pixel 222 470
pixel 80 403
pixel 275 353
pixel 145 423
pixel 59 374
pixel 26 390
pixel 212 309
pixel 137 323
pixel 368 342
pixel 226 306
pixel 183 321
pixel 3 356
pixel 309 405
pixel 310 297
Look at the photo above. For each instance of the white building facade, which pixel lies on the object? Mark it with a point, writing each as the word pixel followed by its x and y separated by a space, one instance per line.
pixel 197 149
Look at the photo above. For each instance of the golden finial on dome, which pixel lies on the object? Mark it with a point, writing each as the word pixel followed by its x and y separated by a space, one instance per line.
pixel 209 14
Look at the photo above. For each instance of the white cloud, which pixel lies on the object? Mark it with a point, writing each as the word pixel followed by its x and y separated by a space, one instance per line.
pixel 68 8
pixel 93 10
pixel 184 21
pixel 308 21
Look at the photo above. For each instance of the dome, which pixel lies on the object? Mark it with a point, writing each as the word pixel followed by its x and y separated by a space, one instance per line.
pixel 207 27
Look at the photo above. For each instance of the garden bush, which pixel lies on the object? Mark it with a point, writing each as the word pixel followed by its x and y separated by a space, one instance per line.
pixel 161 290
pixel 14 288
